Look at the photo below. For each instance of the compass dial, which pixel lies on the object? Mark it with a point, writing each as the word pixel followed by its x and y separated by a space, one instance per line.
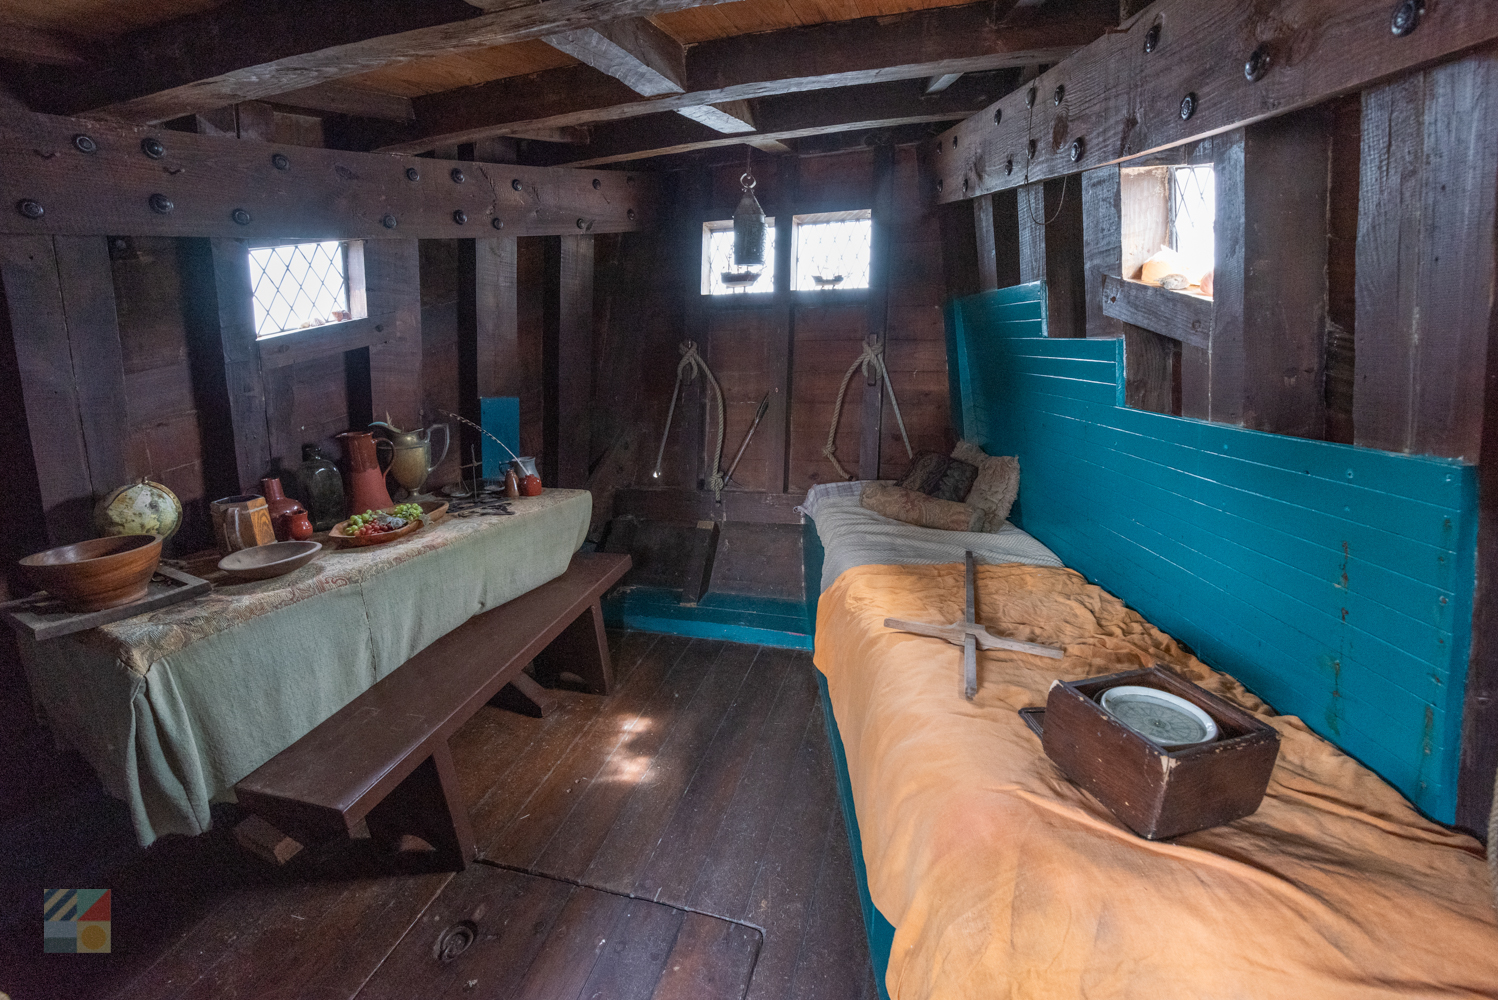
pixel 1159 716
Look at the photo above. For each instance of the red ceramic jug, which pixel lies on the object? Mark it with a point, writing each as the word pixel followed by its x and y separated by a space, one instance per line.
pixel 282 510
pixel 363 479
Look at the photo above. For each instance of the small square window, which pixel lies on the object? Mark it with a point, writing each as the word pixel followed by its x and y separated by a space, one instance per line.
pixel 720 275
pixel 1193 210
pixel 832 250
pixel 295 286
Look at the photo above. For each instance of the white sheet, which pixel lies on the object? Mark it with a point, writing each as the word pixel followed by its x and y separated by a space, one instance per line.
pixel 855 536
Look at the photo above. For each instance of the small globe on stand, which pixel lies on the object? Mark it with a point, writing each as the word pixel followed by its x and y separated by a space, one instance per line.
pixel 139 508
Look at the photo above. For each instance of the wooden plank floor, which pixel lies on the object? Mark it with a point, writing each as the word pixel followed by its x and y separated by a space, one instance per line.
pixel 679 838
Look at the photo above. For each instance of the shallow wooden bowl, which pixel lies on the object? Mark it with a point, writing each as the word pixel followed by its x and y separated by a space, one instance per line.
pixel 262 562
pixel 97 574
pixel 359 541
pixel 433 511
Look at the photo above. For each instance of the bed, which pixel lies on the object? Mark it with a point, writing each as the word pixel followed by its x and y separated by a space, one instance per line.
pixel 987 874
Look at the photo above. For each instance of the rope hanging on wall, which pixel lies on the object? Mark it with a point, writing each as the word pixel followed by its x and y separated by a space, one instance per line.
pixel 873 357
pixel 686 372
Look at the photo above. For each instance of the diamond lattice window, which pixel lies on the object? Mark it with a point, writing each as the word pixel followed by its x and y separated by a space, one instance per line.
pixel 299 285
pixel 832 250
pixel 1193 209
pixel 720 275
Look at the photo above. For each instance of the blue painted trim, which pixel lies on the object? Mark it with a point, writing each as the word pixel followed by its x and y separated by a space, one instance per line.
pixel 732 617
pixel 1335 582
pixel 879 931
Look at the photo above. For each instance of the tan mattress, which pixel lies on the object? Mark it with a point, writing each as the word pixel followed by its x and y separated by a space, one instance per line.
pixel 1003 879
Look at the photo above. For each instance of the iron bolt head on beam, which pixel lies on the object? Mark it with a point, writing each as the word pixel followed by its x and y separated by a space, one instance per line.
pixel 939 185
pixel 497 223
pixel 240 217
pixel 388 222
pixel 1059 95
pixel 413 175
pixel 630 215
pixel 85 143
pixel 998 115
pixel 30 209
pixel 1152 39
pixel 1031 149
pixel 1406 17
pixel 460 216
pixel 515 185
pixel 160 204
pixel 1030 98
pixel 152 147
pixel 1188 106
pixel 1078 149
pixel 597 184
pixel 954 142
pixel 1009 165
pixel 1257 64
pixel 457 176
pixel 280 161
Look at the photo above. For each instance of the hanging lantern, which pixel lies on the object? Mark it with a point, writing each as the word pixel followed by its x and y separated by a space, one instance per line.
pixel 748 227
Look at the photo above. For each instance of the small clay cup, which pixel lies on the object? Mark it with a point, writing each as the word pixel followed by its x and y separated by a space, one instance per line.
pixel 97 574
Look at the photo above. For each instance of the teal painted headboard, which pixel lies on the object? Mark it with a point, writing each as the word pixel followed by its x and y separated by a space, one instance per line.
pixel 1335 582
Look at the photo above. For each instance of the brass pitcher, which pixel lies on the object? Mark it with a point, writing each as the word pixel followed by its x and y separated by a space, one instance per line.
pixel 411 460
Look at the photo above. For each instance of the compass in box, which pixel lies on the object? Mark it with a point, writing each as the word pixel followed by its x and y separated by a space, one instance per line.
pixel 1165 756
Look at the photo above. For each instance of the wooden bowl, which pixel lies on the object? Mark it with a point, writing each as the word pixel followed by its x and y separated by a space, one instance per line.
pixel 433 511
pixel 97 574
pixel 359 541
pixel 262 562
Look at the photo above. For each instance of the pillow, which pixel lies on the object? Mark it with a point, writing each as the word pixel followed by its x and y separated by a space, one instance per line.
pixel 939 476
pixel 996 485
pixel 920 509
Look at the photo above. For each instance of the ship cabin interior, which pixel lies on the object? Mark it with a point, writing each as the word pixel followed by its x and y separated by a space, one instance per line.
pixel 749 499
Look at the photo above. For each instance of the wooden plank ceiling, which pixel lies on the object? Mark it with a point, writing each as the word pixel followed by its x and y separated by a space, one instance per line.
pixel 431 68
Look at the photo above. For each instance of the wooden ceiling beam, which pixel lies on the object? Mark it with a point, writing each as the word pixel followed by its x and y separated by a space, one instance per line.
pixel 731 118
pixel 34 45
pixel 340 98
pixel 920 45
pixel 633 51
pixel 1118 102
pixel 791 116
pixel 246 50
pixel 158 182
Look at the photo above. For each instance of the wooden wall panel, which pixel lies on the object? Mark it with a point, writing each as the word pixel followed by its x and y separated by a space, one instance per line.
pixel 1335 582
pixel 746 349
pixel 827 340
pixel 441 353
pixel 393 274
pixel 1425 258
pixel 567 366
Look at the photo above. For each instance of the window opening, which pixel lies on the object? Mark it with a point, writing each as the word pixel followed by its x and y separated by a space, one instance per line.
pixel 295 286
pixel 1193 211
pixel 720 276
pixel 832 250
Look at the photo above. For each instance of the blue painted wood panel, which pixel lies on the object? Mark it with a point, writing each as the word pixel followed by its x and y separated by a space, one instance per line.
pixel 1335 582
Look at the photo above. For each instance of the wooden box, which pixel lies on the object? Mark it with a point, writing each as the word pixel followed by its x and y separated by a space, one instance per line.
pixel 1154 791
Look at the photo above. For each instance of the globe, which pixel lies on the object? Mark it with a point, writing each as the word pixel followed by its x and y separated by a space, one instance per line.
pixel 141 508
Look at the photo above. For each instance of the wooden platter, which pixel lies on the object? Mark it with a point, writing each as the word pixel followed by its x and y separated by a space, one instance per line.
pixel 432 512
pixel 43 617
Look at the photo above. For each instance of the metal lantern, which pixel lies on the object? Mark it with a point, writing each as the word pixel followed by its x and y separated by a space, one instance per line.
pixel 748 227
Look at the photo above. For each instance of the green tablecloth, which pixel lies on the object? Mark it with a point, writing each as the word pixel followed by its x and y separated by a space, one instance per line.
pixel 173 707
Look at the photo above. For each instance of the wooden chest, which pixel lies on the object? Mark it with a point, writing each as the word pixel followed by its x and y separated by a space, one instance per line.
pixel 1155 791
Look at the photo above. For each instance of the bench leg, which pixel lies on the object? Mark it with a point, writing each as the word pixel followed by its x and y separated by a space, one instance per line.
pixel 429 804
pixel 526 697
pixel 582 649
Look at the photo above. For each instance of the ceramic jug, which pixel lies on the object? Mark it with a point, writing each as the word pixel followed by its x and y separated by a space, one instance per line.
pixel 525 471
pixel 241 522
pixel 411 459
pixel 287 516
pixel 363 479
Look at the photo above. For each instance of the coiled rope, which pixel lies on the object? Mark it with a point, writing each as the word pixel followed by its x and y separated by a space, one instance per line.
pixel 686 372
pixel 869 357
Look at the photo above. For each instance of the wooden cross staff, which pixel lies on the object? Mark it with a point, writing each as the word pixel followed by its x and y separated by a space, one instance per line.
pixel 970 636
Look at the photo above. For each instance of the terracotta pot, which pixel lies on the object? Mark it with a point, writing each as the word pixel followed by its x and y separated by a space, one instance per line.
pixel 299 526
pixel 282 509
pixel 241 522
pixel 525 471
pixel 97 574
pixel 363 479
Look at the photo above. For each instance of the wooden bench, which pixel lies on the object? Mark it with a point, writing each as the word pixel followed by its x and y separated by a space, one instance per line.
pixel 383 758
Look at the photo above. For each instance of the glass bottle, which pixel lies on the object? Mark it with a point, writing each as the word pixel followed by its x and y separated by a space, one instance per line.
pixel 321 488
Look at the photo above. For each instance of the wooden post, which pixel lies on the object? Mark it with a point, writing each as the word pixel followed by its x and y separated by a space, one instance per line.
pixel 226 361
pixel 788 184
pixel 393 274
pixel 59 311
pixel 988 258
pixel 488 326
pixel 1269 307
pixel 1425 259
pixel 567 360
pixel 1051 250
pixel 870 428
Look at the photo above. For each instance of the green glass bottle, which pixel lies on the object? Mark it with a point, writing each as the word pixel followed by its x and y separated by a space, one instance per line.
pixel 320 487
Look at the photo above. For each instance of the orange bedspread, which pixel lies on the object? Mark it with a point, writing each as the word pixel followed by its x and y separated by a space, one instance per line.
pixel 1004 880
